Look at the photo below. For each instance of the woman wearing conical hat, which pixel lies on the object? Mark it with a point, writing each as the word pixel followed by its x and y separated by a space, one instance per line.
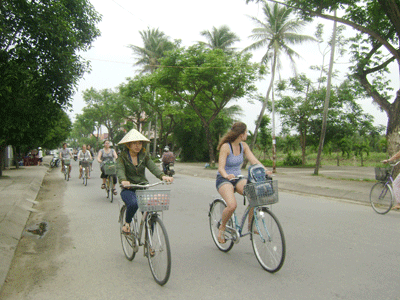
pixel 131 166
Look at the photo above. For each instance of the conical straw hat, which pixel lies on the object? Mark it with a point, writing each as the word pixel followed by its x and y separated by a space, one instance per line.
pixel 133 136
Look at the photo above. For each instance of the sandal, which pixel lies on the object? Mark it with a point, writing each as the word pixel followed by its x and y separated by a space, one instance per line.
pixel 152 252
pixel 126 229
pixel 103 186
pixel 221 236
pixel 115 192
pixel 397 207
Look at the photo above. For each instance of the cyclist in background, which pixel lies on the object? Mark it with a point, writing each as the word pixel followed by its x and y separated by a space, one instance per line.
pixel 167 158
pixel 65 154
pixel 104 155
pixel 83 154
pixel 396 182
pixel 232 149
pixel 131 166
pixel 89 148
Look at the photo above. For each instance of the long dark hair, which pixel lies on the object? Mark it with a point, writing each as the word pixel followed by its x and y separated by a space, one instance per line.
pixel 237 129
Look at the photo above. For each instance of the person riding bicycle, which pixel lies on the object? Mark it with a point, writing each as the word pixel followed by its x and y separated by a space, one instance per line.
pixel 89 148
pixel 233 148
pixel 65 154
pixel 396 182
pixel 167 158
pixel 83 154
pixel 105 155
pixel 131 166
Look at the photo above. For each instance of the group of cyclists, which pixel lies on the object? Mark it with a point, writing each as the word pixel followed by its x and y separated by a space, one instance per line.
pixel 108 154
pixel 134 159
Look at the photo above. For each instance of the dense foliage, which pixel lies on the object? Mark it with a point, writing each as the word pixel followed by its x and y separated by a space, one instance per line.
pixel 40 66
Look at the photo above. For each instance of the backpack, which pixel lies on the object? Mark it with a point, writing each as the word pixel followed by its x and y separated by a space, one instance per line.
pixel 261 184
pixel 256 173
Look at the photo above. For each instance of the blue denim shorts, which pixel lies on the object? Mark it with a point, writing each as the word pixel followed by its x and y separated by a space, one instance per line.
pixel 221 181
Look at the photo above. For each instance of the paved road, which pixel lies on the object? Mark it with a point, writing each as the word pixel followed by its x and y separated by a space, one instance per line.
pixel 335 250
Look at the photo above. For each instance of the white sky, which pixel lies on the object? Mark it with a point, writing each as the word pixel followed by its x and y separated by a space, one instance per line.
pixel 112 62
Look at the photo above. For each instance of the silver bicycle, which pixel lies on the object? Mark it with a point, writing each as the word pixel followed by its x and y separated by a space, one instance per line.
pixel 150 232
pixel 381 196
pixel 265 231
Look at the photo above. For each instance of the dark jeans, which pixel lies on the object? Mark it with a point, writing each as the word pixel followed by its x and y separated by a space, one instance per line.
pixel 129 197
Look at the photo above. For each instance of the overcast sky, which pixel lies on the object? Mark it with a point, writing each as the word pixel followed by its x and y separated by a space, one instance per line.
pixel 112 61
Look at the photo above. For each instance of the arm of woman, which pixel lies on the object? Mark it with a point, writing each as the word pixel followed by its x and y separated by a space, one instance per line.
pixel 394 157
pixel 121 173
pixel 115 154
pixel 99 156
pixel 156 171
pixel 251 157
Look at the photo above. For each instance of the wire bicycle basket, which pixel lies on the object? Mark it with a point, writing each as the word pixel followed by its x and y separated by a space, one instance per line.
pixel 153 200
pixel 382 174
pixel 262 193
pixel 110 168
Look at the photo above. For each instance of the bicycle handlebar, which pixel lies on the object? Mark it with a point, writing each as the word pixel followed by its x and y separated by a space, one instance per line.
pixel 143 186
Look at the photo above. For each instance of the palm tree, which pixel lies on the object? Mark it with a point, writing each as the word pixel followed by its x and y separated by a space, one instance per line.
pixel 220 38
pixel 156 43
pixel 276 33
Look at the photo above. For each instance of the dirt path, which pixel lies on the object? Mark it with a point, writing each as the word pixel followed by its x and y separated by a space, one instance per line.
pixel 42 241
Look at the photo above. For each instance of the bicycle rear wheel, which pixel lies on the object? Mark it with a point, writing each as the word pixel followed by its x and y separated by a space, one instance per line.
pixel 215 219
pixel 127 240
pixel 381 197
pixel 158 251
pixel 268 240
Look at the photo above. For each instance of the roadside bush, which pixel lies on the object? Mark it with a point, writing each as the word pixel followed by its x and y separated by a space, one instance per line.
pixel 292 160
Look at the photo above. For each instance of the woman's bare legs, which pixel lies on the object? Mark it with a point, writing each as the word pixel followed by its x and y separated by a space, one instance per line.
pixel 227 193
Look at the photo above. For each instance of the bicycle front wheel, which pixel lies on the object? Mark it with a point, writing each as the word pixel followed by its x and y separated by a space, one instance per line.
pixel 108 186
pixel 111 190
pixel 215 219
pixel 268 240
pixel 381 197
pixel 158 251
pixel 127 240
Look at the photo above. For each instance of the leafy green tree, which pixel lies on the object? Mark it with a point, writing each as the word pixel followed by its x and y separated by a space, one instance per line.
pixel 300 106
pixel 220 38
pixel 103 107
pixel 155 44
pixel 59 131
pixel 40 64
pixel 374 47
pixel 206 80
pixel 275 34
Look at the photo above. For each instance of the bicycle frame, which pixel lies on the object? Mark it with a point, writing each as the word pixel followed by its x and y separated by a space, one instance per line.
pixel 237 232
pixel 139 230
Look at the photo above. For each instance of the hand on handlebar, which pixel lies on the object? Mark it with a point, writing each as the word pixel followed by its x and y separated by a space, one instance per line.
pixel 167 179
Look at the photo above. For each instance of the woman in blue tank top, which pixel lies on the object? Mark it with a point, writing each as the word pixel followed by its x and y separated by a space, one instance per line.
pixel 232 149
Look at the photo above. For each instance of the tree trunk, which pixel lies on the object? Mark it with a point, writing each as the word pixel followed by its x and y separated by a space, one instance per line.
pixel 303 147
pixel 210 144
pixel 264 105
pixel 326 104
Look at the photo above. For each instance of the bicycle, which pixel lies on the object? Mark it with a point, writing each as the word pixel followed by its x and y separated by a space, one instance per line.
pixel 110 171
pixel 381 195
pixel 67 167
pixel 154 238
pixel 85 170
pixel 265 231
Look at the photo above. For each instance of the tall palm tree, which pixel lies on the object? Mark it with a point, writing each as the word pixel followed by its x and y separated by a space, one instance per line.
pixel 220 38
pixel 155 44
pixel 276 33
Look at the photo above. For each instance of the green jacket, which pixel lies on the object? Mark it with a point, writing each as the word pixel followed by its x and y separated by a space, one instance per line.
pixel 126 171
